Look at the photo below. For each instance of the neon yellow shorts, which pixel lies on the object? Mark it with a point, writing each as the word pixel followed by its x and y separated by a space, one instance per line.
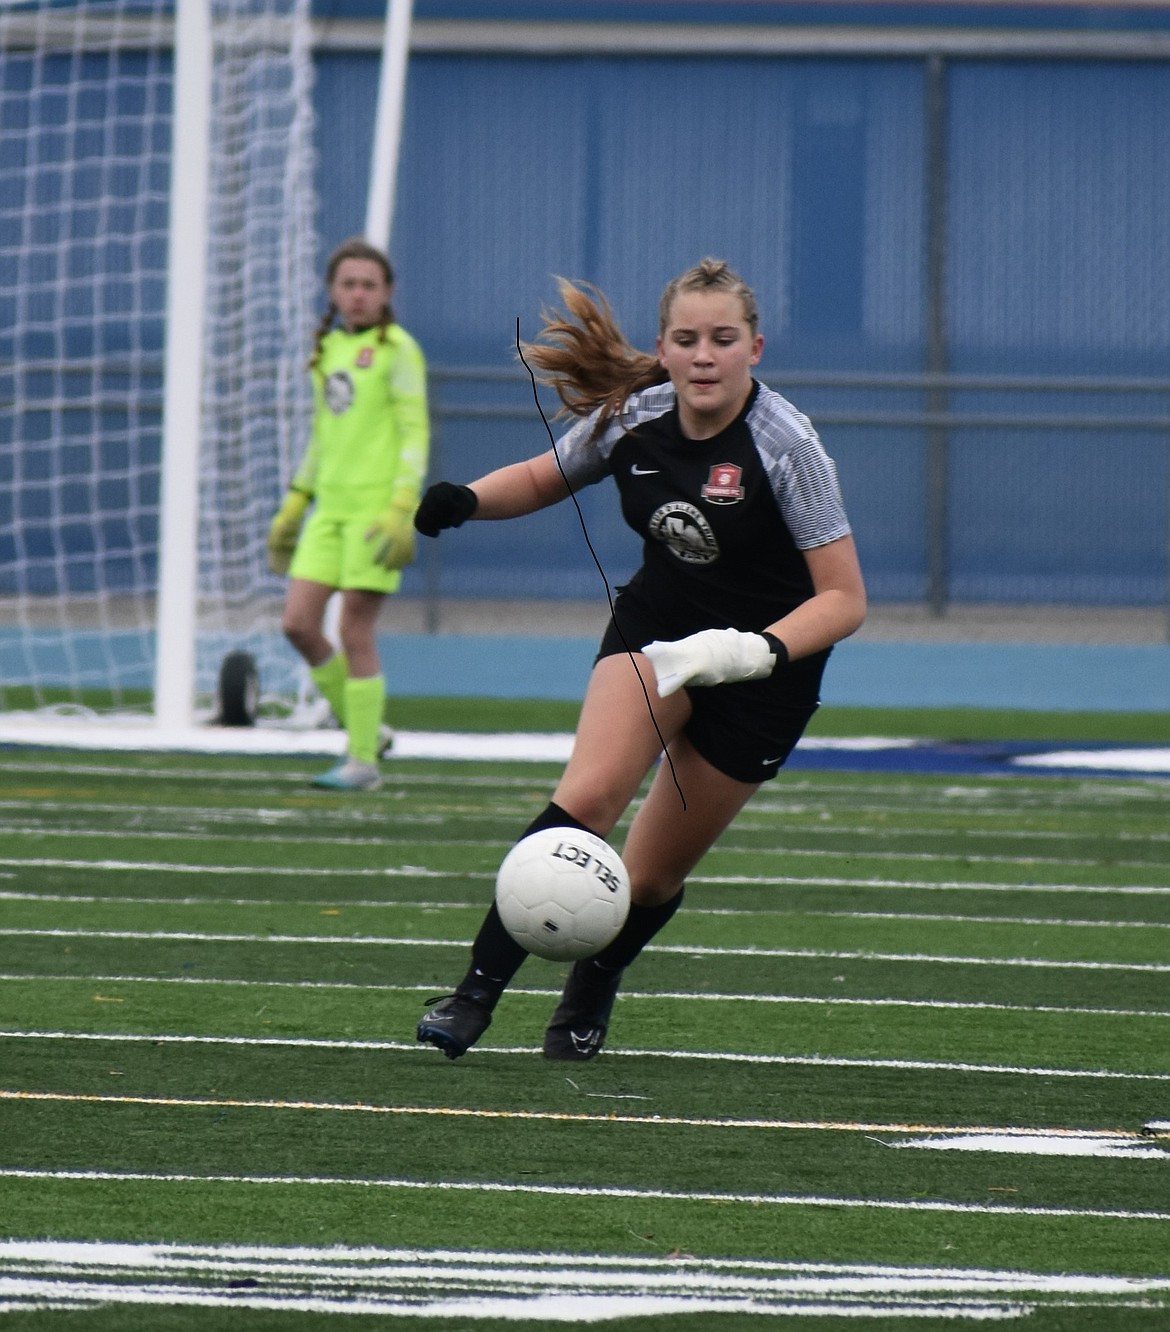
pixel 334 551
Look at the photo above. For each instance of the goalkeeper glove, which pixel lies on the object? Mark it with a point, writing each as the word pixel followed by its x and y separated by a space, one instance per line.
pixel 445 505
pixel 714 656
pixel 394 536
pixel 286 530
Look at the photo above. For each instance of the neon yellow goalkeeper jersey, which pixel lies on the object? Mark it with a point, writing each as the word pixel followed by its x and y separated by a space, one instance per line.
pixel 371 432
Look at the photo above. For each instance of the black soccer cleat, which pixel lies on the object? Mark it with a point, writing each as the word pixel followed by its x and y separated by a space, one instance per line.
pixel 456 1022
pixel 577 1029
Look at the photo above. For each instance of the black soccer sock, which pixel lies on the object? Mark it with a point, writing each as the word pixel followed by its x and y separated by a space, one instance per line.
pixel 495 956
pixel 642 924
pixel 553 816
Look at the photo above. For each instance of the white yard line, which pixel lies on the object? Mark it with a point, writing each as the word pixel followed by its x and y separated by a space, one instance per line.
pixel 813 1201
pixel 928 885
pixel 1034 1143
pixel 398 904
pixel 705 1056
pixel 667 995
pixel 551 1288
pixel 278 820
pixel 715 880
pixel 1047 921
pixel 296 871
pixel 785 852
pixel 687 950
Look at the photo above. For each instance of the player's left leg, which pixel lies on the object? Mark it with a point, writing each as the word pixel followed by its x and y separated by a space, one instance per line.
pixel 365 690
pixel 666 841
pixel 677 824
pixel 364 693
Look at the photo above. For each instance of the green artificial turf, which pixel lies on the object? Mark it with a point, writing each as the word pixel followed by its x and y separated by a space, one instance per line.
pixel 211 975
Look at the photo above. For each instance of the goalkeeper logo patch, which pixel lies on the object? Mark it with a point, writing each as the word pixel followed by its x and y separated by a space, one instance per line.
pixel 685 532
pixel 338 391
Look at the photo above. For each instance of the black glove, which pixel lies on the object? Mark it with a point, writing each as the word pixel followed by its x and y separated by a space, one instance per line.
pixel 444 505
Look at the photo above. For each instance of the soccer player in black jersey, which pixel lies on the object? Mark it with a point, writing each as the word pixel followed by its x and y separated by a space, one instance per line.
pixel 749 576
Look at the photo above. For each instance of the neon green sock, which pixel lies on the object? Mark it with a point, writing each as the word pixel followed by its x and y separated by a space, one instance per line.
pixel 364 701
pixel 330 678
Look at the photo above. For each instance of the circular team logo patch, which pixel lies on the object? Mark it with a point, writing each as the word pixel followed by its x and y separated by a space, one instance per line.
pixel 338 390
pixel 684 530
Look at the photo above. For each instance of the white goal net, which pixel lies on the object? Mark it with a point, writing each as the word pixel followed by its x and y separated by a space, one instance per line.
pixel 87 141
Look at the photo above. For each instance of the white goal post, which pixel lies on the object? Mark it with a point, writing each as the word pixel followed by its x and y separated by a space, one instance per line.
pixel 380 194
pixel 388 122
pixel 158 292
pixel 174 663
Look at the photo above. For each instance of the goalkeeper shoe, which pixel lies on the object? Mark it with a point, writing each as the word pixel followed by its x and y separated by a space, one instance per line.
pixel 457 1022
pixel 577 1029
pixel 351 774
pixel 385 740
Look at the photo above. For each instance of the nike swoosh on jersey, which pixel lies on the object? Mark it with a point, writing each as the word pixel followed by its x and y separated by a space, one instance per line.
pixel 635 470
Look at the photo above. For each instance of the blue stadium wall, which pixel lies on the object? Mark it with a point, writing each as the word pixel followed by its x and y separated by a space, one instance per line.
pixel 961 263
pixel 955 219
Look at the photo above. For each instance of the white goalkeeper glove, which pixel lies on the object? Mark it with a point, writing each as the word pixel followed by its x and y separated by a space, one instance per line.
pixel 714 656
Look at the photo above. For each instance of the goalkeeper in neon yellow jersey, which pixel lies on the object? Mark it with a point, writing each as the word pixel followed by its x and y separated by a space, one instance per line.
pixel 362 473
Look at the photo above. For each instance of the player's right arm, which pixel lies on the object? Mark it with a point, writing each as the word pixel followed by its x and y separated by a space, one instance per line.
pixel 285 529
pixel 520 488
pixel 508 492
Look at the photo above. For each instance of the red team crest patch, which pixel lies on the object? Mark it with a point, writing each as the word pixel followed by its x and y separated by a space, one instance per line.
pixel 364 358
pixel 723 484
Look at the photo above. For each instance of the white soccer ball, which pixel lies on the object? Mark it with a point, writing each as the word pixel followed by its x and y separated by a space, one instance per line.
pixel 562 893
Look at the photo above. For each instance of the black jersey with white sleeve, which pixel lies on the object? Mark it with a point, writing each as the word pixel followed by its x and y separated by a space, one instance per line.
pixel 724 521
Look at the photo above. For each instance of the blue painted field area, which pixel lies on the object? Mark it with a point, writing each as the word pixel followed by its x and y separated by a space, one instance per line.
pixel 1086 677
pixel 1049 676
pixel 1098 677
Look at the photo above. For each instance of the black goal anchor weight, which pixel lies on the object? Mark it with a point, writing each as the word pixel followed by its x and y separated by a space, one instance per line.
pixel 237 693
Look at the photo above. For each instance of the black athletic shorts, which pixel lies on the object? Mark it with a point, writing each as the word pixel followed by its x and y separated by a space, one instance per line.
pixel 746 730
